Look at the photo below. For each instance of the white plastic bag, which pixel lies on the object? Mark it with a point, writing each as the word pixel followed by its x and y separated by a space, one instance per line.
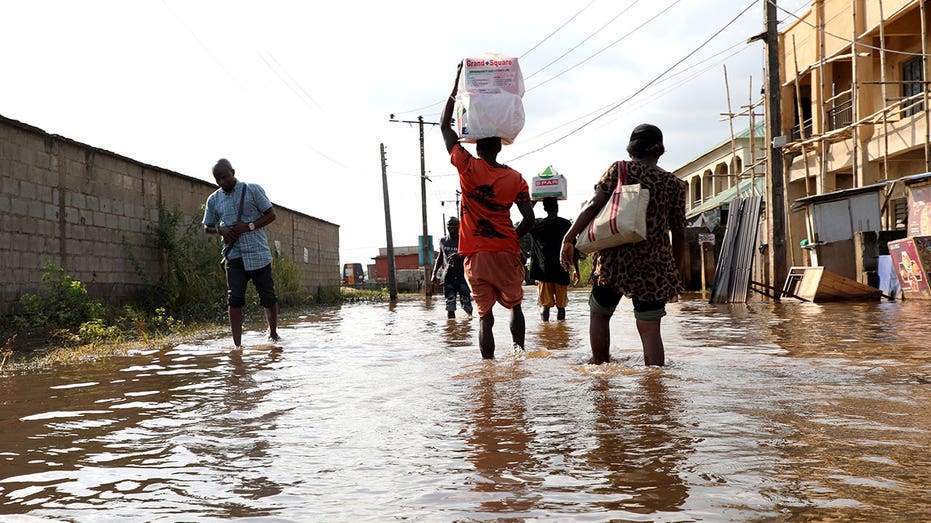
pixel 489 98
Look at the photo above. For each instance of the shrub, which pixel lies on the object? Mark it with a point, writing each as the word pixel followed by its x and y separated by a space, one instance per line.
pixel 64 304
pixel 192 284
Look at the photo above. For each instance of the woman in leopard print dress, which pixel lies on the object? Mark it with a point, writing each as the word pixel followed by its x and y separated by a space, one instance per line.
pixel 647 271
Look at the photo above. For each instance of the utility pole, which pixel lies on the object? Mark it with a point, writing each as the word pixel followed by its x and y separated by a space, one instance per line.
pixel 456 201
pixel 392 281
pixel 775 205
pixel 425 251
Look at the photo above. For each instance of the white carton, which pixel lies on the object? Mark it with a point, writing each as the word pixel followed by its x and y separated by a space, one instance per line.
pixel 548 184
pixel 489 98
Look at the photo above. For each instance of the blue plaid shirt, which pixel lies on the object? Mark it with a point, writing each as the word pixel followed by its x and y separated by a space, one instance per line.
pixel 222 208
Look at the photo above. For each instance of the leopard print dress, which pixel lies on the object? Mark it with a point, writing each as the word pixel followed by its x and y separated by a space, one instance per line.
pixel 645 270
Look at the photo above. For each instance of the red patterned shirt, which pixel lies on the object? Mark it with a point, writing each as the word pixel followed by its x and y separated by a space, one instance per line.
pixel 487 196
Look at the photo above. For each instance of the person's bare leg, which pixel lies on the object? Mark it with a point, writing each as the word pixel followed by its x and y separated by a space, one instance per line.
pixel 271 317
pixel 599 333
pixel 517 326
pixel 652 339
pixel 486 338
pixel 236 325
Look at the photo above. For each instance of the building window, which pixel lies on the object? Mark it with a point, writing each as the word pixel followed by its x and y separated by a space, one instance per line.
pixel 696 191
pixel 913 84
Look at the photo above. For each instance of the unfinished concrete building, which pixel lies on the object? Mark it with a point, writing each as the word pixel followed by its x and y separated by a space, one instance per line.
pixel 855 120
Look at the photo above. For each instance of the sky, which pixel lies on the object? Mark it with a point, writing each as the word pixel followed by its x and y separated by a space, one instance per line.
pixel 298 95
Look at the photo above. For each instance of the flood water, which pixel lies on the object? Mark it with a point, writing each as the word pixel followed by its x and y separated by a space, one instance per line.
pixel 765 412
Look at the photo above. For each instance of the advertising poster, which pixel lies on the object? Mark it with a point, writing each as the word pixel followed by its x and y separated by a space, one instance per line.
pixel 919 211
pixel 912 277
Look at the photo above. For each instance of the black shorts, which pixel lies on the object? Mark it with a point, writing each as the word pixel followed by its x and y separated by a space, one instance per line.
pixel 604 300
pixel 237 277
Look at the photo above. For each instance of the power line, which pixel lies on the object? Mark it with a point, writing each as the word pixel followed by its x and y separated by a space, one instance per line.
pixel 669 78
pixel 576 46
pixel 571 18
pixel 293 80
pixel 648 84
pixel 841 38
pixel 684 81
pixel 612 44
pixel 238 83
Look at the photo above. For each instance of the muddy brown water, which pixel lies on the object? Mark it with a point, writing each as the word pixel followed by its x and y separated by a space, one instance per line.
pixel 766 412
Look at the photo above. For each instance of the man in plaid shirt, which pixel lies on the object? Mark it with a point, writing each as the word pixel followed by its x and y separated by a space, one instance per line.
pixel 249 258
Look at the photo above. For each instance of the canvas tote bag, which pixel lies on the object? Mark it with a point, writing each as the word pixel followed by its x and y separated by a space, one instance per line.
pixel 622 220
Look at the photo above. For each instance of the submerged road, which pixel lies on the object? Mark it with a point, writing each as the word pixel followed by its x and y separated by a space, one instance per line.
pixel 365 412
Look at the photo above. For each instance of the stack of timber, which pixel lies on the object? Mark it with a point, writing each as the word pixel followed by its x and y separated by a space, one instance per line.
pixel 818 285
pixel 735 265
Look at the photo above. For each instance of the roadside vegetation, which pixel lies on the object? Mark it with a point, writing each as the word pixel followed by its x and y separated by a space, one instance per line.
pixel 61 322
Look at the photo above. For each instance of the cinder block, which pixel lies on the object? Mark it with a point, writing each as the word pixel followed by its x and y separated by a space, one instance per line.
pixel 112 221
pixel 78 200
pixel 51 229
pixel 10 186
pixel 5 205
pixel 106 205
pixel 44 194
pixel 8 149
pixel 51 212
pixel 41 159
pixel 100 219
pixel 20 171
pixel 35 209
pixel 71 215
pixel 117 207
pixel 93 203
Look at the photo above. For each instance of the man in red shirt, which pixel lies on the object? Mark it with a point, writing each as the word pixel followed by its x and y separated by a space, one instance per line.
pixel 494 265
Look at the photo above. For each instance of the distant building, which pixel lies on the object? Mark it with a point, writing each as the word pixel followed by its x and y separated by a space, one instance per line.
pixel 726 171
pixel 407 268
pixel 713 177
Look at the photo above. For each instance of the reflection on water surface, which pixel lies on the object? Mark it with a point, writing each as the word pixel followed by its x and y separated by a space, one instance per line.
pixel 766 412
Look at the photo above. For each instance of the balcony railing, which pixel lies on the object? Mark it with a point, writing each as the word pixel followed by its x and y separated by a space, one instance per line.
pixel 797 131
pixel 841 115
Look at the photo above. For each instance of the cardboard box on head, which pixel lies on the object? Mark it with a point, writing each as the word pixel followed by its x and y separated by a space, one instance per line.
pixel 548 184
pixel 489 98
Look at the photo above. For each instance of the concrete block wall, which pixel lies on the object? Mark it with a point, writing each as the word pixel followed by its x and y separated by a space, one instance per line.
pixel 84 208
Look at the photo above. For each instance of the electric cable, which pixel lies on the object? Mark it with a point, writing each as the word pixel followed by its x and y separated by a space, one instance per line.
pixel 587 38
pixel 683 71
pixel 612 44
pixel 547 37
pixel 841 38
pixel 647 85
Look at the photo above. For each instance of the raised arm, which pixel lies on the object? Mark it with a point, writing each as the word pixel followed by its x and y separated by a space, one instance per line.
pixel 450 137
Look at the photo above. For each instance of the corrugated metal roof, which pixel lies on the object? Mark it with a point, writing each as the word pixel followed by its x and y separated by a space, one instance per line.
pixel 741 190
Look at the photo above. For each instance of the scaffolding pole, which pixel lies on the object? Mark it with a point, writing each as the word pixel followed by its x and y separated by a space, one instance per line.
pixel 924 76
pixel 822 114
pixel 801 118
pixel 854 93
pixel 885 95
pixel 730 122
